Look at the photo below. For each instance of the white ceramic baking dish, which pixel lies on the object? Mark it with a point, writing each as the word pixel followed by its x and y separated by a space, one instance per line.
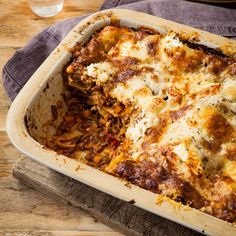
pixel 33 104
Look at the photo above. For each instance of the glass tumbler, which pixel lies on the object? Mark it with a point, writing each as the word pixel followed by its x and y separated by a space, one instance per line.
pixel 46 8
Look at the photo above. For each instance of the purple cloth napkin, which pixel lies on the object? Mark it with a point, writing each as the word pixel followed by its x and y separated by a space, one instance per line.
pixel 25 61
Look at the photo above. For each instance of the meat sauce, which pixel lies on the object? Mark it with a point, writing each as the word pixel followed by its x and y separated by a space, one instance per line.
pixel 94 128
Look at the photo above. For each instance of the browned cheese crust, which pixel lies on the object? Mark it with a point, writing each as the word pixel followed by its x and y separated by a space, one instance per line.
pixel 156 111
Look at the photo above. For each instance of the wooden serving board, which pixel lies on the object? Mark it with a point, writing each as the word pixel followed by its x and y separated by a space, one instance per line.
pixel 122 216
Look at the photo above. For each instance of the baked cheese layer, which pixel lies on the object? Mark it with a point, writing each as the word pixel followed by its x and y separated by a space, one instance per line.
pixel 156 111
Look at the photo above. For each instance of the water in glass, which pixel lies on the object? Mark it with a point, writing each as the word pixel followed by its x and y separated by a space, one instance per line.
pixel 46 8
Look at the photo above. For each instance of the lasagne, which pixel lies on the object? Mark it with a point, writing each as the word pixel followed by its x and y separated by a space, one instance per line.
pixel 157 111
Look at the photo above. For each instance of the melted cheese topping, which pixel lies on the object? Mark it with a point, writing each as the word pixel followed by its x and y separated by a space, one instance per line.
pixel 181 105
pixel 181 151
pixel 101 71
pixel 142 89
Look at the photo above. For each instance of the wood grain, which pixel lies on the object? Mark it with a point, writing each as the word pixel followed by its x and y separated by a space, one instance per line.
pixel 56 233
pixel 8 156
pixel 23 208
pixel 19 23
pixel 29 209
pixel 120 215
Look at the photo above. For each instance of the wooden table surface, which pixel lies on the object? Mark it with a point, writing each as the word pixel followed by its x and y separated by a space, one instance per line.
pixel 24 211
